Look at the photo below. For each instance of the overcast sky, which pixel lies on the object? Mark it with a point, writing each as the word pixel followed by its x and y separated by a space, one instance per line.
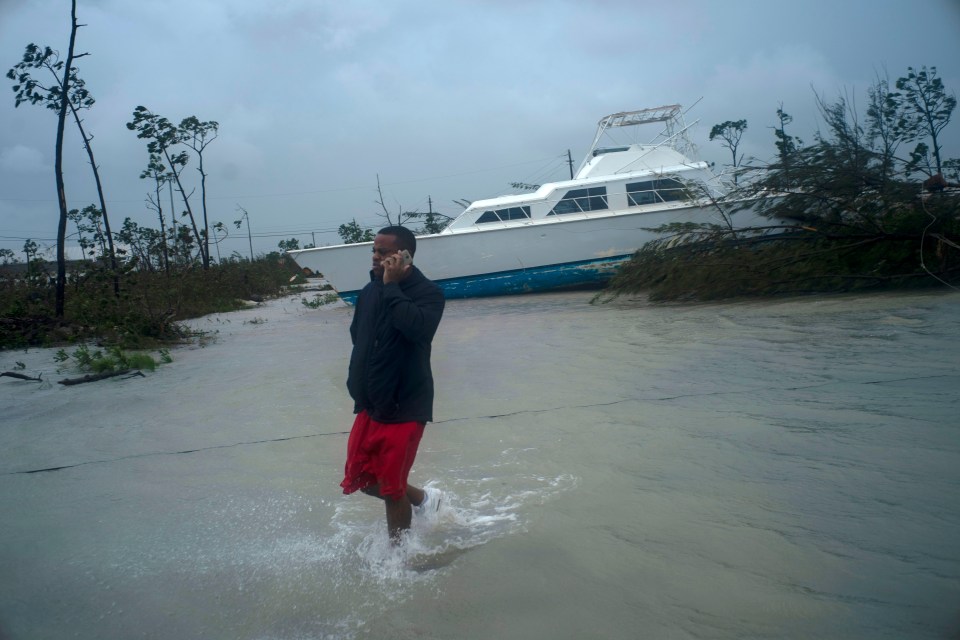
pixel 443 99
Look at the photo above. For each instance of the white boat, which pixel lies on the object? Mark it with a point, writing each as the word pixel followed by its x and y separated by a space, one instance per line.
pixel 566 234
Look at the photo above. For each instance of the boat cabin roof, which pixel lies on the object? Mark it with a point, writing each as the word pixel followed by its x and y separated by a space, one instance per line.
pixel 606 165
pixel 633 158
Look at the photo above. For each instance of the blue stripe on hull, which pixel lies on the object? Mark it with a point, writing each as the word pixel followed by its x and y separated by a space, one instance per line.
pixel 587 273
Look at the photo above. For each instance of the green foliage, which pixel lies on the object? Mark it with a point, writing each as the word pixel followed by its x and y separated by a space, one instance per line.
pixel 162 137
pixel 786 145
pixel 30 249
pixel 36 267
pixel 112 360
pixel 433 223
pixel 196 133
pixel 886 124
pixel 352 233
pixel 319 301
pixel 148 310
pixel 159 132
pixel 847 182
pixel 849 215
pixel 289 245
pixel 29 89
pixel 796 263
pixel 927 111
pixel 730 132
pixel 90 235
pixel 145 244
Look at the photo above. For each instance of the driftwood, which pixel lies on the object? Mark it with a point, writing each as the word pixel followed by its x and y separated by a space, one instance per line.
pixel 20 376
pixel 93 377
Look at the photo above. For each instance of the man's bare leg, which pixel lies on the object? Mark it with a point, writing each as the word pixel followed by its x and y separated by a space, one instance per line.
pixel 399 511
pixel 399 515
pixel 414 495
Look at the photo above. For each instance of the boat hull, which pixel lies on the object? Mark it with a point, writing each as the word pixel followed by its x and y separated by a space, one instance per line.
pixel 559 253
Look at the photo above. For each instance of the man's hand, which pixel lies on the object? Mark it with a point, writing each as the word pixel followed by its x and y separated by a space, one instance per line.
pixel 393 268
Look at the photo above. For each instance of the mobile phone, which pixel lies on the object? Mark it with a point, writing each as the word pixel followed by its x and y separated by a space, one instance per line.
pixel 405 257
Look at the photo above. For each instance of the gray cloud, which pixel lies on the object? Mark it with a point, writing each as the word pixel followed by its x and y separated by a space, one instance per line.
pixel 442 99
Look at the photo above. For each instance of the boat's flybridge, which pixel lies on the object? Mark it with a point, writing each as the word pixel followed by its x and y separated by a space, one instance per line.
pixel 612 180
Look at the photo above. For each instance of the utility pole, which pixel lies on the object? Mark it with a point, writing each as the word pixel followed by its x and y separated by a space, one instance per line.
pixel 570 163
pixel 313 234
pixel 249 233
pixel 429 206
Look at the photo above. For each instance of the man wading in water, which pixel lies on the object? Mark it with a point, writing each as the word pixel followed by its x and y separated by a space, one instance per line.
pixel 390 381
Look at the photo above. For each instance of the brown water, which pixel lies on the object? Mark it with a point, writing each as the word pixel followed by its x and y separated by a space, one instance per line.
pixel 785 469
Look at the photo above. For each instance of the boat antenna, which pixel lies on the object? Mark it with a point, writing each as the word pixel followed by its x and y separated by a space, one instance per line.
pixel 687 110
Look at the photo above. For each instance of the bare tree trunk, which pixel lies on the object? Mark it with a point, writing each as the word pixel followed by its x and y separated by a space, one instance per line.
pixel 386 213
pixel 206 226
pixel 186 200
pixel 163 232
pixel 103 202
pixel 58 169
pixel 173 218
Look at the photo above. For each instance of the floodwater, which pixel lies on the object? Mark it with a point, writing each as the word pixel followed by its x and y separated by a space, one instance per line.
pixel 765 469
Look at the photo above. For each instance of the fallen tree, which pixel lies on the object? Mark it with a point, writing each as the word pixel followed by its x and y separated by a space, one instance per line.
pixel 93 377
pixel 862 217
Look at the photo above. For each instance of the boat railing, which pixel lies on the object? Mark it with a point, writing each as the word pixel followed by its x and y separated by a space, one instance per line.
pixel 673 134
pixel 665 113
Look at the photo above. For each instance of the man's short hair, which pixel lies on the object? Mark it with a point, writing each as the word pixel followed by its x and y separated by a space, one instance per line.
pixel 405 238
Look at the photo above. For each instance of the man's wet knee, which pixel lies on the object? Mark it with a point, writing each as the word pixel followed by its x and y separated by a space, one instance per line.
pixel 372 490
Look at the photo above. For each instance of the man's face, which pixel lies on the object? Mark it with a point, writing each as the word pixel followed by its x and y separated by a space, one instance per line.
pixel 383 246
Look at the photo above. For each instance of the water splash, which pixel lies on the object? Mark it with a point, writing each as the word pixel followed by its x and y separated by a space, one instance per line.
pixel 464 520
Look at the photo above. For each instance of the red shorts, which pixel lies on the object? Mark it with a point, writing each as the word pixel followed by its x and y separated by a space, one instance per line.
pixel 380 453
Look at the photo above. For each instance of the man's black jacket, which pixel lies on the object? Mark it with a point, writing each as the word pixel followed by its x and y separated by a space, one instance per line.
pixel 392 329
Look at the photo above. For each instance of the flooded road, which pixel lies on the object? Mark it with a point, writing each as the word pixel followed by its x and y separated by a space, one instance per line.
pixel 785 468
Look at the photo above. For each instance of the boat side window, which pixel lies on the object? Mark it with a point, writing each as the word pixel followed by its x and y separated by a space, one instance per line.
pixel 578 200
pixel 488 216
pixel 672 190
pixel 651 191
pixel 512 213
pixel 639 193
